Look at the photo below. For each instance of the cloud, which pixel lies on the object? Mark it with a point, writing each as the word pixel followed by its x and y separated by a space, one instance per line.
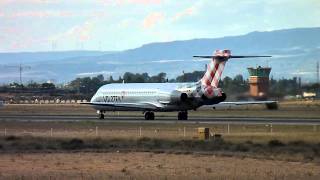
pixel 303 73
pixel 128 2
pixel 130 23
pixel 26 42
pixel 168 61
pixel 143 1
pixel 152 19
pixel 95 73
pixel 118 62
pixel 52 13
pixel 15 2
pixel 125 23
pixel 82 32
pixel 187 12
pixel 190 11
pixel 38 14
pixel 9 30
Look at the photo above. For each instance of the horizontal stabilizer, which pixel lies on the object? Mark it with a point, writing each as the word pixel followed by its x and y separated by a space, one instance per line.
pixel 247 102
pixel 230 56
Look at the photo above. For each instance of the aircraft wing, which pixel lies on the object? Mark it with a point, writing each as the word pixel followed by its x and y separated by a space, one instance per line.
pixel 140 105
pixel 246 102
pixel 239 103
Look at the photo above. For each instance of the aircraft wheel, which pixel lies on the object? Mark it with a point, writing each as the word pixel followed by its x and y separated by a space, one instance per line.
pixel 183 115
pixel 101 116
pixel 149 116
pixel 146 116
pixel 179 116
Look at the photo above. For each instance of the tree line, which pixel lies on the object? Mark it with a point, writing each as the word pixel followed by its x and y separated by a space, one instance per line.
pixel 236 85
pixel 87 86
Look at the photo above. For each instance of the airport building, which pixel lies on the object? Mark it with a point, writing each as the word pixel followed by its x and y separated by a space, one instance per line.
pixel 259 82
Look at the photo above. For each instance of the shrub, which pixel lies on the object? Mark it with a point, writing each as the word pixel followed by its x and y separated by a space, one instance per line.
pixel 240 148
pixel 157 143
pixel 12 138
pixel 34 145
pixel 73 144
pixel 144 139
pixel 145 142
pixel 275 143
pixel 97 143
pixel 297 143
pixel 51 147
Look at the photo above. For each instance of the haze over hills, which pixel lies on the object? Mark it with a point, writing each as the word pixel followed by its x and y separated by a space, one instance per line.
pixel 31 57
pixel 295 53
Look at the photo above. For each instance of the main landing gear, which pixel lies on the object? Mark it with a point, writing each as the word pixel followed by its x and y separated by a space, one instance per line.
pixel 149 115
pixel 100 115
pixel 183 115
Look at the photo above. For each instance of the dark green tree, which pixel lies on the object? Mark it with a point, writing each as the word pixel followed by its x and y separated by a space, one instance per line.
pixel 48 86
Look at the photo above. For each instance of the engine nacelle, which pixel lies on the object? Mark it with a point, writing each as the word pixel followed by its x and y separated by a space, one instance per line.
pixel 214 100
pixel 177 97
pixel 183 97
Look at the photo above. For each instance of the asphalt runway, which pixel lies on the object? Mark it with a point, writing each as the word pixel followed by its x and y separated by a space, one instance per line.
pixel 159 120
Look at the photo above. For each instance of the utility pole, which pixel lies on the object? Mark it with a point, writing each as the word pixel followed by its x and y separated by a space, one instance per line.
pixel 184 77
pixel 20 73
pixel 21 68
pixel 318 73
pixel 318 82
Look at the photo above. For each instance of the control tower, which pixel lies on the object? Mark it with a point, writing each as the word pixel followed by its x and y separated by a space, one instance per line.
pixel 259 82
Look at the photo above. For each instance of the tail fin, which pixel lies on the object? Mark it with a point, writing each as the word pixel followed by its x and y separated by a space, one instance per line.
pixel 215 68
pixel 210 80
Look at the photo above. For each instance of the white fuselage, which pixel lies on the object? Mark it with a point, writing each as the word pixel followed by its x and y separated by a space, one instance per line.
pixel 145 96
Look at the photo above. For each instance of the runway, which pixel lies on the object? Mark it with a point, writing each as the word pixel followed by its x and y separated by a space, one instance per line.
pixel 161 119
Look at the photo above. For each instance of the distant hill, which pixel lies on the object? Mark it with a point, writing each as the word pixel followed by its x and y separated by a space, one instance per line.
pixel 280 41
pixel 295 53
pixel 28 57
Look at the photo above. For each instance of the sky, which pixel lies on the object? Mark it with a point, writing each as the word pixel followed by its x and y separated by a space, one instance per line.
pixel 114 25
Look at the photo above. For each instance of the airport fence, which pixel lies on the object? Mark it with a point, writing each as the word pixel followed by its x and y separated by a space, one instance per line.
pixel 180 132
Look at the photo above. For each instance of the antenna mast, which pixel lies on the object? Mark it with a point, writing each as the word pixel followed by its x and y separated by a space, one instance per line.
pixel 318 73
pixel 21 68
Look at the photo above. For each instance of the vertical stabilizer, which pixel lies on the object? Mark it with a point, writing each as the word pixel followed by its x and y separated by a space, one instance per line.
pixel 215 68
pixel 208 85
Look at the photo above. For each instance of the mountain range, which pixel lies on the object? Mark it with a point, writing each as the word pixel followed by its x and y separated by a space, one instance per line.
pixel 295 53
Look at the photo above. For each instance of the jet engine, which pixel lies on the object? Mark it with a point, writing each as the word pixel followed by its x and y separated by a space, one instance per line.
pixel 177 97
pixel 214 100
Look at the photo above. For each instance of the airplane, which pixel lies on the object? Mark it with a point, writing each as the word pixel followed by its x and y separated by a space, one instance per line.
pixel 165 97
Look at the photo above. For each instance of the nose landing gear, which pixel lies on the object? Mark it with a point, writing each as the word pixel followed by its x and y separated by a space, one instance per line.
pixel 100 114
